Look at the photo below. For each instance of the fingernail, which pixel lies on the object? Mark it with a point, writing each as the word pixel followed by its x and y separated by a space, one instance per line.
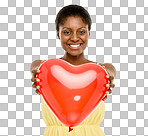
pixel 107 85
pixel 38 71
pixel 38 87
pixel 38 80
pixel 107 76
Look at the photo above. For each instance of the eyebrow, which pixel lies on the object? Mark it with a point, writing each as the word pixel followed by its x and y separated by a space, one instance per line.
pixel 70 28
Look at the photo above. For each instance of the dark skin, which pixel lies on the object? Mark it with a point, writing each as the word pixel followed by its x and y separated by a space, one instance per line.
pixel 74 32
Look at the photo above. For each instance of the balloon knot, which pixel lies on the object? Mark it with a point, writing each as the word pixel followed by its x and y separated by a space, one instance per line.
pixel 70 129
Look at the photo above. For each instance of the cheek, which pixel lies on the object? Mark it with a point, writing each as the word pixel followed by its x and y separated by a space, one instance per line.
pixel 64 39
pixel 85 38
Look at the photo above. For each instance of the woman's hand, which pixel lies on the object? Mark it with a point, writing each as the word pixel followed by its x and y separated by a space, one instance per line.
pixel 34 79
pixel 34 69
pixel 110 85
pixel 111 75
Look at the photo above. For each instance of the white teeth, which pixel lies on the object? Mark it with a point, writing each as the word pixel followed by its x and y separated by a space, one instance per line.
pixel 75 45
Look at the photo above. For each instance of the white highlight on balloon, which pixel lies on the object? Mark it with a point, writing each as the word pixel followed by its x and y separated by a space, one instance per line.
pixel 77 98
pixel 73 81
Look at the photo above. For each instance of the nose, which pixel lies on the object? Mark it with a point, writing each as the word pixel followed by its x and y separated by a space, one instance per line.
pixel 74 37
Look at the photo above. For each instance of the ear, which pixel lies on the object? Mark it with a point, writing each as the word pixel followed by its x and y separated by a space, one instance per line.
pixel 58 35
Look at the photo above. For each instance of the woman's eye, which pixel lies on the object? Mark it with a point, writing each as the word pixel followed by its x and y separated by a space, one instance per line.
pixel 81 32
pixel 66 32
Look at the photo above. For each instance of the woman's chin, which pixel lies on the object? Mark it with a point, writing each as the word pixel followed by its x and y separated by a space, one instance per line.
pixel 74 53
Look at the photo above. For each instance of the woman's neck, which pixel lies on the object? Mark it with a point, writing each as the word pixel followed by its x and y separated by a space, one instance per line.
pixel 75 60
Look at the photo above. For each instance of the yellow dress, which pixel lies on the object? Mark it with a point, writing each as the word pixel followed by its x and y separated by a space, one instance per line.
pixel 89 127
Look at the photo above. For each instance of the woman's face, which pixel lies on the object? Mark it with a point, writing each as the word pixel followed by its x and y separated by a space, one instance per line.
pixel 74 34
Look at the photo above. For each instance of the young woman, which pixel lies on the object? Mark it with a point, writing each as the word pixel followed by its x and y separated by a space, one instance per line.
pixel 73 24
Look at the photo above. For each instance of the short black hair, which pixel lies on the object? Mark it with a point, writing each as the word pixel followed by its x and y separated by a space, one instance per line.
pixel 72 10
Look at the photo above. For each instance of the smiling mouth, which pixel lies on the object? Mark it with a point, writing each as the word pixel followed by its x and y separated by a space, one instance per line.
pixel 72 45
pixel 76 46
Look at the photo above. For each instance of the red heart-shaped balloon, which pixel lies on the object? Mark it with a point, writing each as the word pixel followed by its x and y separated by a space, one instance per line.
pixel 72 92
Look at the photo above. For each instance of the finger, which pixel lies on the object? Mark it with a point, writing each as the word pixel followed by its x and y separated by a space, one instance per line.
pixel 36 86
pixel 35 79
pixel 112 85
pixel 110 77
pixel 36 91
pixel 107 76
pixel 108 85
pixel 109 91
pixel 34 71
